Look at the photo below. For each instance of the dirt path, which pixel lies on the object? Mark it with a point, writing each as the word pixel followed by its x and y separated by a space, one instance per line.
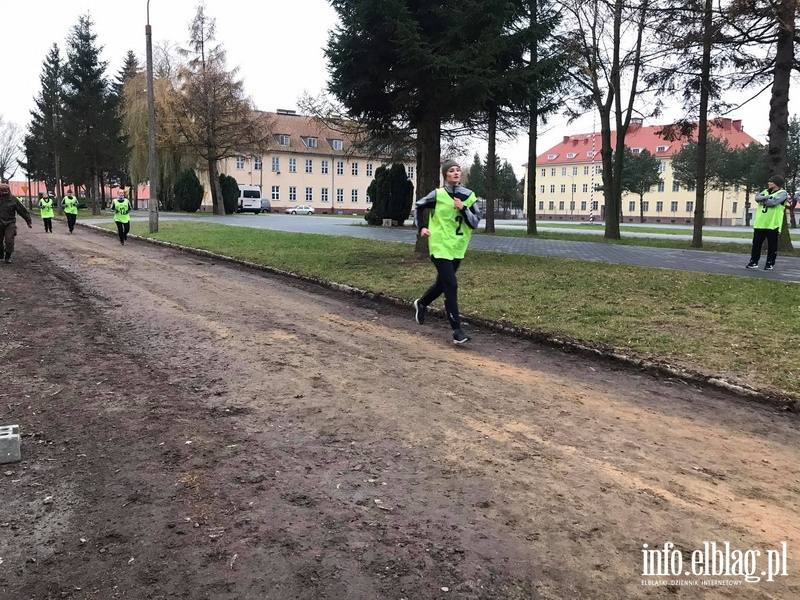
pixel 196 430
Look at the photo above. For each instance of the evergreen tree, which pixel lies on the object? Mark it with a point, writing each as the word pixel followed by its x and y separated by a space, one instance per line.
pixel 230 193
pixel 378 192
pixel 639 173
pixel 476 177
pixel 401 194
pixel 127 74
pixel 753 171
pixel 189 191
pixel 44 139
pixel 793 167
pixel 91 123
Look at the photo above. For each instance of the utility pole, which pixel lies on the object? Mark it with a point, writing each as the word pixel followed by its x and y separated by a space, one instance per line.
pixel 152 169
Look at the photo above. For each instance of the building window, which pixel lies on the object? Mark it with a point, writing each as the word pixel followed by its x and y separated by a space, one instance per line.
pixel 661 148
pixel 324 167
pixel 324 194
pixel 369 200
pixel 276 192
pixel 583 205
pixel 544 172
pixel 339 167
pixel 735 207
pixel 597 169
pixel 310 142
pixel 411 172
pixel 276 164
pixel 585 188
pixel 586 170
pixel 552 172
pixel 690 188
pixel 689 206
pixel 636 150
pixel 660 187
pixel 309 195
pixel 283 140
pixel 292 193
pixel 353 195
pixel 552 156
pixel 541 204
pixel 337 144
pixel 552 189
pixel 563 171
pixel 591 153
pixel 646 205
pixel 572 204
pixel 574 170
pixel 673 206
pixel 560 205
pixel 551 205
pixel 594 205
pixel 354 169
pixel 676 187
pixel 659 207
pixel 292 165
pixel 257 163
pixel 632 206
pixel 662 167
pixel 541 189
pixel 563 188
pixel 574 187
pixel 369 170
pixel 309 165
pixel 240 163
pixel 339 195
pixel 571 155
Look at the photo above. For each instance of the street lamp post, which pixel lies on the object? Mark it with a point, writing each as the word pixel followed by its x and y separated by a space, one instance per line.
pixel 152 169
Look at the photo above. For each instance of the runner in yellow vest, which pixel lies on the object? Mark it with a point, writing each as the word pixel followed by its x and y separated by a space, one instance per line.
pixel 46 212
pixel 122 217
pixel 454 215
pixel 768 222
pixel 70 205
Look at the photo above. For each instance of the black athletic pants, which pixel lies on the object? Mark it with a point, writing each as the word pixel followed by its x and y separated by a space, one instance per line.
pixel 122 230
pixel 759 235
pixel 48 224
pixel 71 221
pixel 446 284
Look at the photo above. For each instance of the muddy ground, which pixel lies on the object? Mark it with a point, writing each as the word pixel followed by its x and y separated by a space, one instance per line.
pixel 192 429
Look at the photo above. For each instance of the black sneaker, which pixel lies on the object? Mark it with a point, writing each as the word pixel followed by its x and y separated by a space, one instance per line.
pixel 419 311
pixel 769 267
pixel 459 337
pixel 751 265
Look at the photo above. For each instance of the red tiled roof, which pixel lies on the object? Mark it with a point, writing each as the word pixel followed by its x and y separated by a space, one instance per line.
pixel 578 148
pixel 20 189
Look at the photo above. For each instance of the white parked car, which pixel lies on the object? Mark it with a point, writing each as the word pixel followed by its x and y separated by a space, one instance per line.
pixel 303 209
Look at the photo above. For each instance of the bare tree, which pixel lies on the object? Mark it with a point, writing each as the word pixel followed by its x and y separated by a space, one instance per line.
pixel 10 142
pixel 211 111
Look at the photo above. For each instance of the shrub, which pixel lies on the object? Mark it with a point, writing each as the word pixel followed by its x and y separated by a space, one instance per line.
pixel 189 191
pixel 230 193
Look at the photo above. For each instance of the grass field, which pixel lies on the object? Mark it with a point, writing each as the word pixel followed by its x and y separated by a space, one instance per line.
pixel 745 329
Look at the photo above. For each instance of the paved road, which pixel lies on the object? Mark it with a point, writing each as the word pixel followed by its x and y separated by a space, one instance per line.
pixel 787 268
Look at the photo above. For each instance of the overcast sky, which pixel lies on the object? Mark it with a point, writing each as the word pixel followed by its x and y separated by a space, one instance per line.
pixel 276 44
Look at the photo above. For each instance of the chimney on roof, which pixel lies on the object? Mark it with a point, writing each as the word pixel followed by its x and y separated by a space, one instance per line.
pixel 286 111
pixel 725 124
pixel 566 139
pixel 737 125
pixel 636 124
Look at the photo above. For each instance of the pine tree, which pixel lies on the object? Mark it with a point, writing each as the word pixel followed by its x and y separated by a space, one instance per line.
pixel 44 139
pixel 639 173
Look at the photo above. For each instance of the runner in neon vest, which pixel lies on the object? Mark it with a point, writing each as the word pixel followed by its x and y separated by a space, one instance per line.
pixel 122 217
pixel 70 205
pixel 46 212
pixel 768 222
pixel 449 229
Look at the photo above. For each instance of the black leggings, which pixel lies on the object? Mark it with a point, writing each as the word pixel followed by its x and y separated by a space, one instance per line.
pixel 446 284
pixel 48 223
pixel 759 235
pixel 122 230
pixel 71 218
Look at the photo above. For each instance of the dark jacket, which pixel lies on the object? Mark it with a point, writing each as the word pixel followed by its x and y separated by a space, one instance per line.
pixel 10 207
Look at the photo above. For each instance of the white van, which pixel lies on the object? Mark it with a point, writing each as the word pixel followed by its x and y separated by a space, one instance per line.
pixel 249 199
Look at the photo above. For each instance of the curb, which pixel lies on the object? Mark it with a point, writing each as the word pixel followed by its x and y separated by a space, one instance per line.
pixel 652 366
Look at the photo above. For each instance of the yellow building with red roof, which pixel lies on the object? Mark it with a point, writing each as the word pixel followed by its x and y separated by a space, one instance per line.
pixel 568 174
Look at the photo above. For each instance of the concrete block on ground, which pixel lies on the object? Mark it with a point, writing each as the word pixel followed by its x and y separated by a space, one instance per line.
pixel 9 444
pixel 387 222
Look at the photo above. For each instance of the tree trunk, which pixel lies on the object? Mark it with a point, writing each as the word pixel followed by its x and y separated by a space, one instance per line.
pixel 641 208
pixel 747 206
pixel 530 180
pixel 702 133
pixel 95 193
pixel 216 188
pixel 428 162
pixel 491 169
pixel 779 102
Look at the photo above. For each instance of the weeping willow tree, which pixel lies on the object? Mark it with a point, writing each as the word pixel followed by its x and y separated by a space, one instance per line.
pixel 173 155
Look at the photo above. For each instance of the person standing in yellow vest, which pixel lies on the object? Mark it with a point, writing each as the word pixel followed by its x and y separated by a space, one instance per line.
pixel 122 217
pixel 70 205
pixel 768 222
pixel 46 211
pixel 449 229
